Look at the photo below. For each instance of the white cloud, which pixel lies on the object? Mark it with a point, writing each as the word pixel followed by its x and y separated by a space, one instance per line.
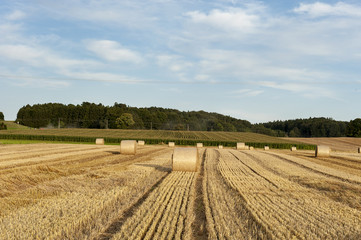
pixel 15 15
pixel 247 92
pixel 232 19
pixel 38 56
pixel 113 51
pixel 319 9
pixel 306 90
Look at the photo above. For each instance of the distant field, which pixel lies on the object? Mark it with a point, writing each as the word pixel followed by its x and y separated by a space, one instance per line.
pixel 14 126
pixel 152 134
pixel 113 136
pixel 338 144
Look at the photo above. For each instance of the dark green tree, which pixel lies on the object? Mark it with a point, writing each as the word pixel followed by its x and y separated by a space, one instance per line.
pixel 2 116
pixel 354 128
pixel 125 121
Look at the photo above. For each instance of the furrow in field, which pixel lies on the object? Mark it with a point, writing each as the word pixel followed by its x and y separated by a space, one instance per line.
pixel 335 189
pixel 150 218
pixel 288 210
pixel 347 162
pixel 82 206
pixel 312 165
pixel 7 150
pixel 226 214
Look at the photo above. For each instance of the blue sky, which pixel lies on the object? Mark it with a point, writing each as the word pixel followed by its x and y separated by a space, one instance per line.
pixel 254 60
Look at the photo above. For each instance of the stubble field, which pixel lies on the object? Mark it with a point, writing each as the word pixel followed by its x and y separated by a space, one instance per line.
pixel 60 191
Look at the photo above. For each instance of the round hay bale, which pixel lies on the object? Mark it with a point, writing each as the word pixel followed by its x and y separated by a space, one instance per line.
pixel 359 150
pixel 322 151
pixel 251 148
pixel 199 145
pixel 141 142
pixel 220 146
pixel 128 147
pixel 293 149
pixel 240 146
pixel 185 159
pixel 246 147
pixel 99 141
pixel 266 148
pixel 171 144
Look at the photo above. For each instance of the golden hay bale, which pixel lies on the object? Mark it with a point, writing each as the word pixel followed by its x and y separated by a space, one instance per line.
pixel 241 146
pixel 171 144
pixel 322 151
pixel 266 148
pixel 251 148
pixel 220 146
pixel 141 142
pixel 128 147
pixel 246 147
pixel 359 150
pixel 185 159
pixel 199 145
pixel 293 149
pixel 99 141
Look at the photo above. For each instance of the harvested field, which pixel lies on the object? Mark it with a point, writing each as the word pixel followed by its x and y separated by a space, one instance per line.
pixel 348 144
pixel 62 191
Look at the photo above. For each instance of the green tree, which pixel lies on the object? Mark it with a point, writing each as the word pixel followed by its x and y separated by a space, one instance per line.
pixel 125 121
pixel 1 116
pixel 354 128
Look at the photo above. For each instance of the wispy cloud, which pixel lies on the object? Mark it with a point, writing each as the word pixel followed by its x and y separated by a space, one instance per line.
pixel 113 51
pixel 320 9
pixel 15 15
pixel 247 93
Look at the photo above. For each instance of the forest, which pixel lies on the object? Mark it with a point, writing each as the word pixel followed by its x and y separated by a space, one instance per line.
pixel 91 115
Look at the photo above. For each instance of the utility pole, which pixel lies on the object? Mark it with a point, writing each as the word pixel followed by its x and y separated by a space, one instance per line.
pixel 106 124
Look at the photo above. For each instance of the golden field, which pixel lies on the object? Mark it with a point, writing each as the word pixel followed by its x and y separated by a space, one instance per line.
pixel 65 191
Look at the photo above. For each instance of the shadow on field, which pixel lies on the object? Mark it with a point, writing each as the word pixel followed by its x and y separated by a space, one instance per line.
pixel 113 152
pixel 157 167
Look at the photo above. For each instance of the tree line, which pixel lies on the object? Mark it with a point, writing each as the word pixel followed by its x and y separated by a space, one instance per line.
pixel 90 115
pixel 2 124
pixel 121 116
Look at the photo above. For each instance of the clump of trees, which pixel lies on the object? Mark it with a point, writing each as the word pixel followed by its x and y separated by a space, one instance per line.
pixel 354 128
pixel 311 127
pixel 90 115
pixel 2 124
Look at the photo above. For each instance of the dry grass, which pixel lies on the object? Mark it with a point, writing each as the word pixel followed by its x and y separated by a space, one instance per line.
pixel 56 201
pixel 91 192
pixel 346 144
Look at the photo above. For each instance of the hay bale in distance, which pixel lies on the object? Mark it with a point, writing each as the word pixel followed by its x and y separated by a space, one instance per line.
pixel 359 150
pixel 240 146
pixel 220 146
pixel 266 148
pixel 185 159
pixel 141 142
pixel 99 141
pixel 251 148
pixel 246 147
pixel 322 151
pixel 128 147
pixel 171 144
pixel 199 145
pixel 293 149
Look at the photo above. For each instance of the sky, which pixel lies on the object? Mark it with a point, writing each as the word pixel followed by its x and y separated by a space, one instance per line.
pixel 255 60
